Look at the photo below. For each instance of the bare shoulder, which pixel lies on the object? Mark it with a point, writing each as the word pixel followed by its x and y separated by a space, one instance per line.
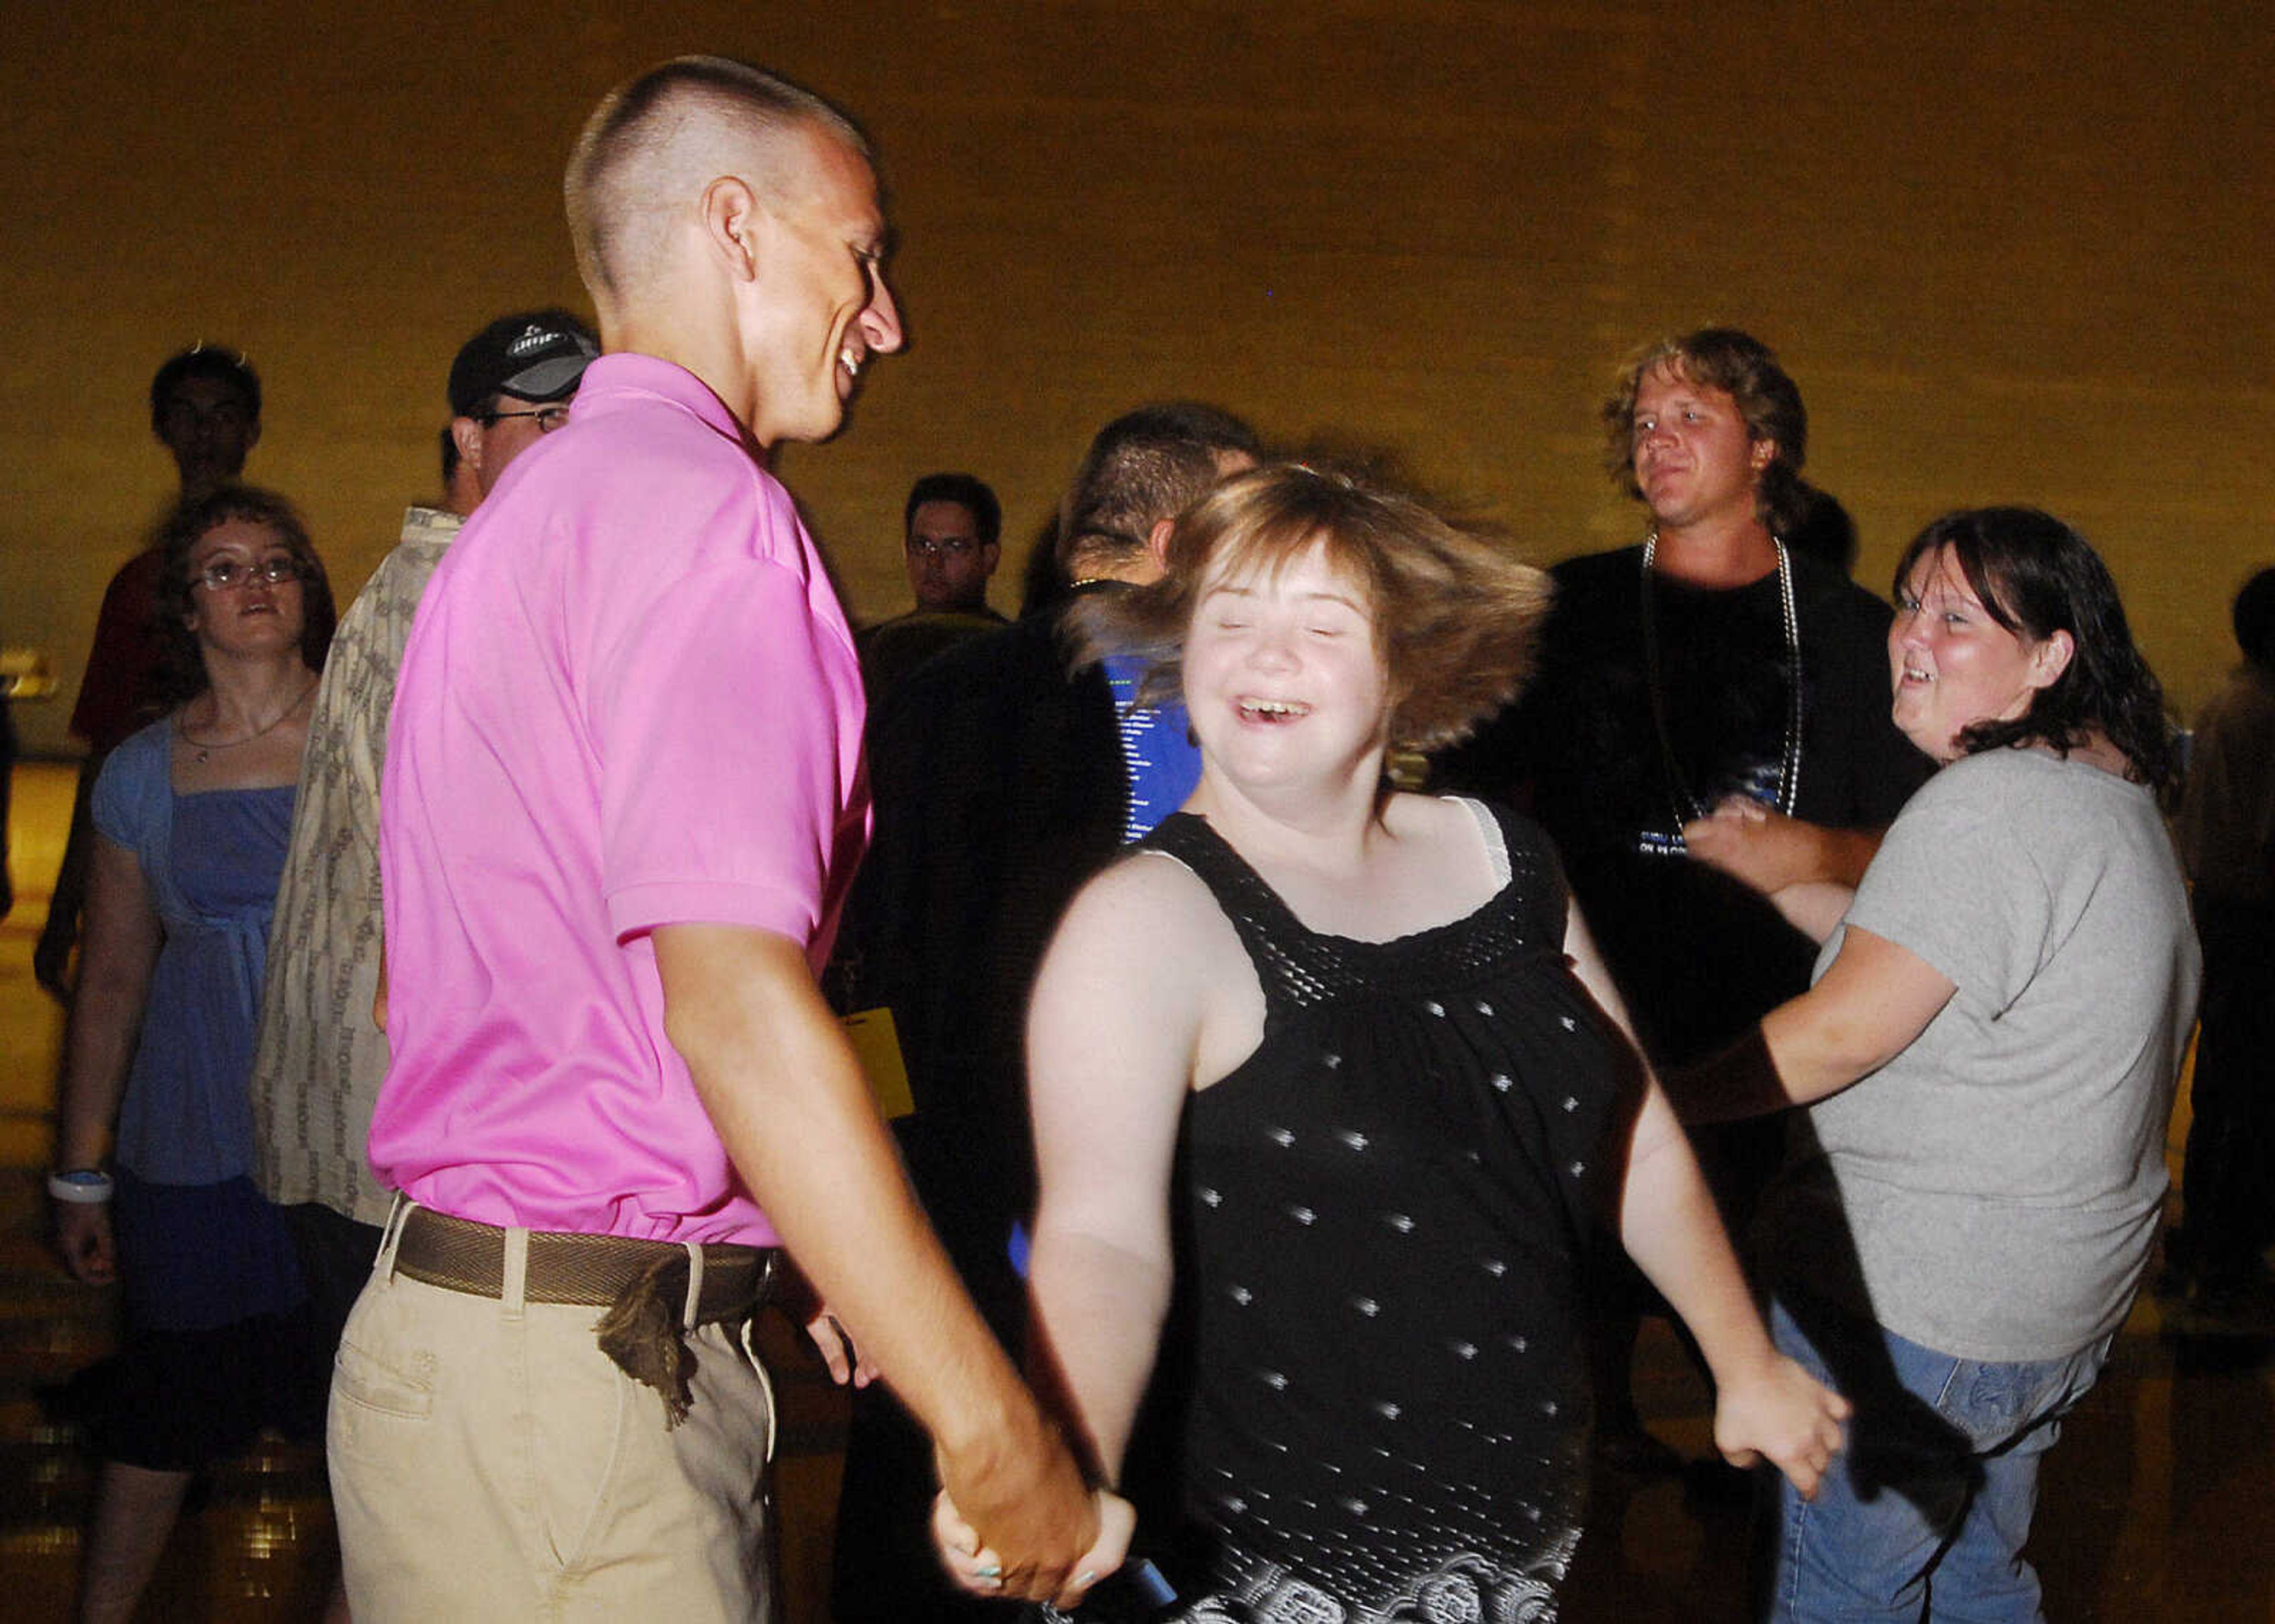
pixel 1435 820
pixel 1448 854
pixel 1165 919
pixel 1145 878
pixel 1145 960
pixel 1148 902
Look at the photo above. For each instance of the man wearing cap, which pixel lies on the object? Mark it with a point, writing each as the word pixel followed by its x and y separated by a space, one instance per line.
pixel 317 1068
pixel 512 383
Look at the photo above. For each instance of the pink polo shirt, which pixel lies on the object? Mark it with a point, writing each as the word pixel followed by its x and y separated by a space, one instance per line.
pixel 629 699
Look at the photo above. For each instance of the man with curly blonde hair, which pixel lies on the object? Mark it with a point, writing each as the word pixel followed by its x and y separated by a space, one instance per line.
pixel 1708 740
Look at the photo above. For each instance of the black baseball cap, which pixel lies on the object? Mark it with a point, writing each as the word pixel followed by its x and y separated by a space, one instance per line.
pixel 537 355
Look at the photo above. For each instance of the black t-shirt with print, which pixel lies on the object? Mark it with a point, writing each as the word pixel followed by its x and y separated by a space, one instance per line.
pixel 1698 955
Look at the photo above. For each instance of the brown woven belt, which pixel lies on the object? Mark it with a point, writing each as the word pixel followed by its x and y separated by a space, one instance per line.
pixel 642 1284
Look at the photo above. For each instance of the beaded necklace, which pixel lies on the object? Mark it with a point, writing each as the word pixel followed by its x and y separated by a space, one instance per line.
pixel 1684 803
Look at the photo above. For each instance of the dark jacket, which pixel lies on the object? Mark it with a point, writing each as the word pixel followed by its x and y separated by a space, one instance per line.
pixel 999 788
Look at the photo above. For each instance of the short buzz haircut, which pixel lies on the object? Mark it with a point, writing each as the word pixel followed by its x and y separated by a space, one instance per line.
pixel 675 129
pixel 1144 466
pixel 966 491
pixel 203 360
pixel 1745 369
pixel 1456 614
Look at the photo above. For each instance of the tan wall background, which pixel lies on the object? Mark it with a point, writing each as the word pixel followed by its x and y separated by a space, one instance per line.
pixel 2012 253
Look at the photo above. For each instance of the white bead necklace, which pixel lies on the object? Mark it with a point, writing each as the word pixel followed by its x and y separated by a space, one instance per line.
pixel 1685 804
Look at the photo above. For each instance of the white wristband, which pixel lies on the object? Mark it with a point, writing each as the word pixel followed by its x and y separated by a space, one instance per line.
pixel 83 1187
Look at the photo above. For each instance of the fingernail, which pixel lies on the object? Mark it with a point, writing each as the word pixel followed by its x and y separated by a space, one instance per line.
pixel 993 1570
pixel 1087 1577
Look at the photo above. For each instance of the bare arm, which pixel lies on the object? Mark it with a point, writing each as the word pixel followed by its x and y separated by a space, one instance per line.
pixel 782 1085
pixel 1814 908
pixel 1766 1405
pixel 1809 871
pixel 116 952
pixel 1871 1001
pixel 1770 852
pixel 1111 1041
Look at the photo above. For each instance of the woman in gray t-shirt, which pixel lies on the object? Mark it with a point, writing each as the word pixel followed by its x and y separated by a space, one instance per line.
pixel 1958 1235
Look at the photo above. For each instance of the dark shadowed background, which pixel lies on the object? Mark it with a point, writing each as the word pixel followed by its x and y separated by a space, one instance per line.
pixel 2011 252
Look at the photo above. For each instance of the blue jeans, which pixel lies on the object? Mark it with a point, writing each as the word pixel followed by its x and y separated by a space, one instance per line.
pixel 1924 1515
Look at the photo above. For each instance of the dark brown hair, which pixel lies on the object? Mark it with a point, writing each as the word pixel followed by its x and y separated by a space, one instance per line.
pixel 2036 576
pixel 203 360
pixel 184 667
pixel 1147 465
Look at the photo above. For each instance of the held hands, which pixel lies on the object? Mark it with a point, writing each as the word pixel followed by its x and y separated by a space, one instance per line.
pixel 1785 1416
pixel 83 1236
pixel 1021 1500
pixel 1782 858
pixel 977 1569
pixel 1751 842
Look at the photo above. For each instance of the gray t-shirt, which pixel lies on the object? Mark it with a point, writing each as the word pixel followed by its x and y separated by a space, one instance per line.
pixel 2000 1179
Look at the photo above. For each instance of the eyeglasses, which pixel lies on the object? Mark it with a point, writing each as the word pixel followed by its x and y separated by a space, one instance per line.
pixel 944 547
pixel 548 418
pixel 228 574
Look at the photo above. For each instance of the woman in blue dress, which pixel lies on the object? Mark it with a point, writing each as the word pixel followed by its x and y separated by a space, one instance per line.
pixel 193 812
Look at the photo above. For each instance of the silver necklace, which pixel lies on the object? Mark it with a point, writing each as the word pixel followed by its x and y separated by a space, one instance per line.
pixel 1684 803
pixel 202 752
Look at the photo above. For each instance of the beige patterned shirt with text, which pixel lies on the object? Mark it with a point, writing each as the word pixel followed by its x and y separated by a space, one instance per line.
pixel 317 1068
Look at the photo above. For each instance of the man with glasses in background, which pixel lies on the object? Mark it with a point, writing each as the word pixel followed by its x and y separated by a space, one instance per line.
pixel 510 384
pixel 951 529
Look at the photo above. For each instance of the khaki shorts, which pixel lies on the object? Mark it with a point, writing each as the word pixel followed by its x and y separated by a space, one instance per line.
pixel 489 1462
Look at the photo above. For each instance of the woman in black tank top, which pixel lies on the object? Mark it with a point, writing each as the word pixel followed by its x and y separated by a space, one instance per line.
pixel 1329 1091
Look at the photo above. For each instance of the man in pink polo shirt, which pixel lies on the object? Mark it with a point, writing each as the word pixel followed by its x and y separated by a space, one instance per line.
pixel 623 801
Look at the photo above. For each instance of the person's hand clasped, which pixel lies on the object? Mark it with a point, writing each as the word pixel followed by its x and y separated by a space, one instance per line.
pixel 1032 1519
pixel 834 1343
pixel 1786 1417
pixel 1749 842
pixel 83 1237
pixel 976 1568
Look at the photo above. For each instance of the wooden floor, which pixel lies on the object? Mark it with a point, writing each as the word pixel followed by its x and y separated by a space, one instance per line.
pixel 2158 1504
